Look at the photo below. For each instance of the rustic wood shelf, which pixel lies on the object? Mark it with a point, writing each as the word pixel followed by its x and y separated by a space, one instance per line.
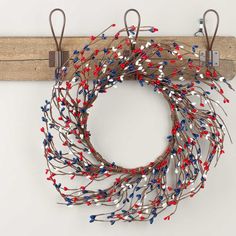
pixel 26 58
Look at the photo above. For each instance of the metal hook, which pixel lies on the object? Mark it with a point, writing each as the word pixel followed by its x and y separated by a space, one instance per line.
pixel 200 30
pixel 57 58
pixel 210 57
pixel 209 45
pixel 127 28
pixel 52 29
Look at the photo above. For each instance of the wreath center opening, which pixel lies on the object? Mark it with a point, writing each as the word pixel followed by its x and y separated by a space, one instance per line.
pixel 129 125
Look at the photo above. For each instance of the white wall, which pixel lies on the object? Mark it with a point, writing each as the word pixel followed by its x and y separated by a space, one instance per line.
pixel 28 202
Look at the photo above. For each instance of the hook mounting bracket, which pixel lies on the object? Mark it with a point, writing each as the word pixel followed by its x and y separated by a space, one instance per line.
pixel 58 58
pixel 209 58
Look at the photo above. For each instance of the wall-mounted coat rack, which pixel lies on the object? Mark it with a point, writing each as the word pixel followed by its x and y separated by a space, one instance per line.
pixel 26 58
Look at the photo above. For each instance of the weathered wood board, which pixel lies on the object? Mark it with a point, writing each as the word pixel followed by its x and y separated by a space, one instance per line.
pixel 26 58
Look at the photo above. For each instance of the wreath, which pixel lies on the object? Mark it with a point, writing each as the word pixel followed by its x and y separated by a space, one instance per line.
pixel 77 169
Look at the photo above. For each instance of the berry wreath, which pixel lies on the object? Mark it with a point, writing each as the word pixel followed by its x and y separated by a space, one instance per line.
pixel 134 194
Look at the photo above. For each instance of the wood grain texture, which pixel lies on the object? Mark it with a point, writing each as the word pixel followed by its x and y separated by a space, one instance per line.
pixel 26 58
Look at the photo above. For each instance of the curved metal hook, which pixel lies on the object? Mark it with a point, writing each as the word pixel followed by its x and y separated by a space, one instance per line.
pixel 126 25
pixel 58 45
pixel 209 45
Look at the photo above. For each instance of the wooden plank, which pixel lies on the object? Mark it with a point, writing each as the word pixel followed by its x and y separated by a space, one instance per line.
pixel 26 58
